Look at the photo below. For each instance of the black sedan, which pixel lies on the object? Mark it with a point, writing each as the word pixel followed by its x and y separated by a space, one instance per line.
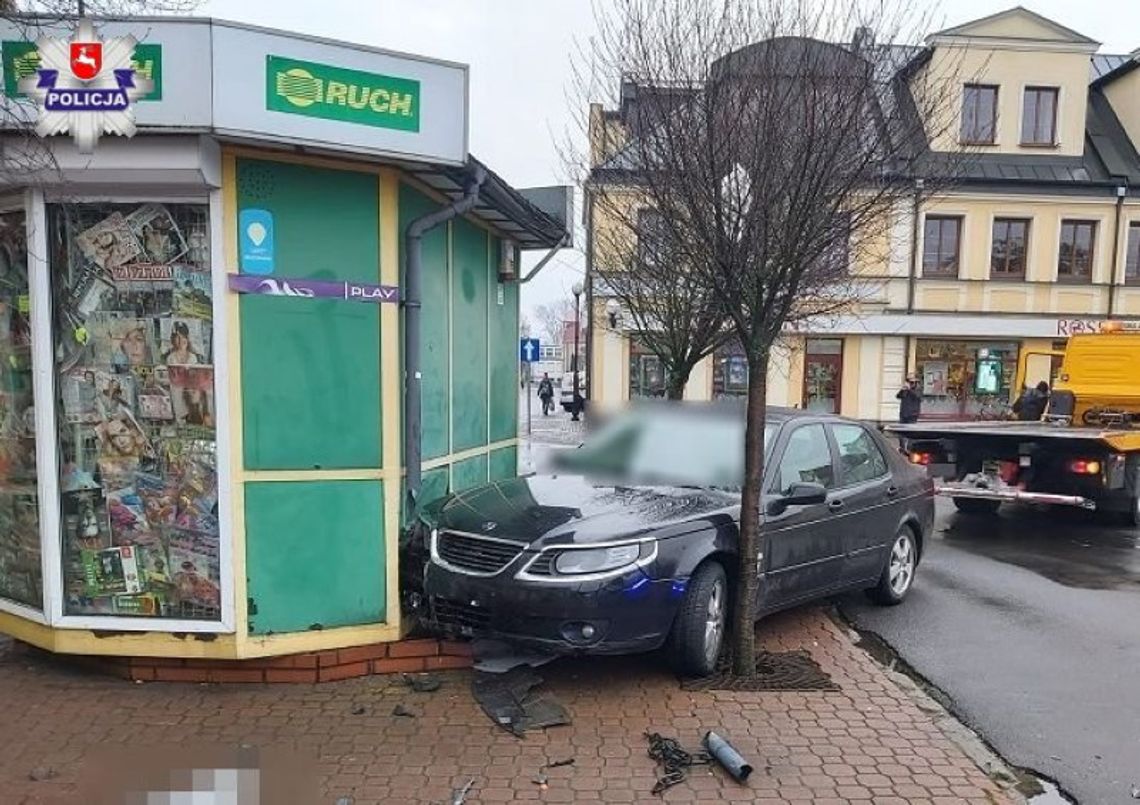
pixel 632 544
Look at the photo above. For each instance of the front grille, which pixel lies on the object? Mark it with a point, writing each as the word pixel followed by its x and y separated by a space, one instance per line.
pixel 543 565
pixel 476 554
pixel 460 616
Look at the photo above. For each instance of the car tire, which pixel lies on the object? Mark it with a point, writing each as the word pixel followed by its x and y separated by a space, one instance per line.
pixel 898 571
pixel 977 505
pixel 697 637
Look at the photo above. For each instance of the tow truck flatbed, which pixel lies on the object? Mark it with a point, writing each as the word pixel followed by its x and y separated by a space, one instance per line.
pixel 1123 439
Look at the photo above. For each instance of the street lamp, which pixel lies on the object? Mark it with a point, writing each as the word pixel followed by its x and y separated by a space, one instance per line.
pixel 577 398
pixel 613 311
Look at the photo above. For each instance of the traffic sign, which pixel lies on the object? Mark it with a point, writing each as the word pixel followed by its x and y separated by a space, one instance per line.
pixel 528 350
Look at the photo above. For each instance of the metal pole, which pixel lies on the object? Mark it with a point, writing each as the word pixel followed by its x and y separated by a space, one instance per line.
pixel 577 328
pixel 529 379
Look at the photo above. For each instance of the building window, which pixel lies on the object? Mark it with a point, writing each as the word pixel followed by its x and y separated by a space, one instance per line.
pixel 941 241
pixel 646 372
pixel 730 372
pixel 979 114
pixel 136 409
pixel 1132 257
pixel 823 374
pixel 958 378
pixel 1075 259
pixel 1010 246
pixel 1039 116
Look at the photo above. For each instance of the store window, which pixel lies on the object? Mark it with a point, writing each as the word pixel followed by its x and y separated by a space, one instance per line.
pixel 979 114
pixel 646 372
pixel 1010 245
pixel 823 375
pixel 730 372
pixel 1132 257
pixel 1074 263
pixel 960 378
pixel 135 400
pixel 21 571
pixel 942 236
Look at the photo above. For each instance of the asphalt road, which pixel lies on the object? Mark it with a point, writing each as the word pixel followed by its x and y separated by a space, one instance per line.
pixel 1030 623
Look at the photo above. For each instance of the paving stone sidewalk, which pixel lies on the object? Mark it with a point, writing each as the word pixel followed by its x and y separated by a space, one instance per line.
pixel 867 742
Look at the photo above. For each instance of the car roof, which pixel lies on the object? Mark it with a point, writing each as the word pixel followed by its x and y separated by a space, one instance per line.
pixel 734 407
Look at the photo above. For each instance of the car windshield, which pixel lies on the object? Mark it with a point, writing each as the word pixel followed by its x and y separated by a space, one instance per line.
pixel 676 448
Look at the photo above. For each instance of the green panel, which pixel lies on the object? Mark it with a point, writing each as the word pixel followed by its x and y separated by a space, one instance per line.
pixel 433 486
pixel 435 407
pixel 504 324
pixel 314 554
pixel 21 59
pixel 468 473
pixel 352 96
pixel 310 368
pixel 469 344
pixel 504 463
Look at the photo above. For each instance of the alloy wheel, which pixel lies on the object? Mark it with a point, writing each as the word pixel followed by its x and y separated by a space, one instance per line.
pixel 902 565
pixel 714 623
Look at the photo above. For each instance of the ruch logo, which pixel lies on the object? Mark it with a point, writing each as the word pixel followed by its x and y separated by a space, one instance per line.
pixel 85 86
pixel 353 96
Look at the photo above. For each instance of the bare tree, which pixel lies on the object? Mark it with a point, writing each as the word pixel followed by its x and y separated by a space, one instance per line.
pixel 552 319
pixel 774 141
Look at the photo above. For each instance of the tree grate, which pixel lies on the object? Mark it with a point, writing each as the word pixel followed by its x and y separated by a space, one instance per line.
pixel 775 671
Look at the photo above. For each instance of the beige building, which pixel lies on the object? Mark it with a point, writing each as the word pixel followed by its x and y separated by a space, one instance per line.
pixel 1040 239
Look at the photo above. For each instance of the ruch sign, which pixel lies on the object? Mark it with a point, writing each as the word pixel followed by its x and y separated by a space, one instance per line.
pixel 313 289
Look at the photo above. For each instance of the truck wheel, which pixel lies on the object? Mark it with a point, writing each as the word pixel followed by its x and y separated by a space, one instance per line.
pixel 976 505
pixel 898 572
pixel 698 630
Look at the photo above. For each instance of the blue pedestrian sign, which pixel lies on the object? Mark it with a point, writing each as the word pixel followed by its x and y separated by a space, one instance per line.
pixel 255 233
pixel 528 350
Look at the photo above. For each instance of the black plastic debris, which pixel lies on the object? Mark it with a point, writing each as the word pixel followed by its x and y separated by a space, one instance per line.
pixel 509 700
pixel 359 710
pixel 560 763
pixel 673 760
pixel 400 710
pixel 726 755
pixel 422 683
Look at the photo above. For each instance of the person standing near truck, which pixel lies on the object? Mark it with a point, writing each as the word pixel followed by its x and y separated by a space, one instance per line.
pixel 1031 405
pixel 910 401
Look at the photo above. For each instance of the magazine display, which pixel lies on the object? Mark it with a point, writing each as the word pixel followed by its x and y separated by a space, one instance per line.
pixel 133 311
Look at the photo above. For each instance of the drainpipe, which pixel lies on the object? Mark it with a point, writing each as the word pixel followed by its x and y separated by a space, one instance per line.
pixel 1121 192
pixel 413 253
pixel 911 279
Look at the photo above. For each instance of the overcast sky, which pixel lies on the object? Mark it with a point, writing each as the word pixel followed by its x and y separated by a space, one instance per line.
pixel 519 53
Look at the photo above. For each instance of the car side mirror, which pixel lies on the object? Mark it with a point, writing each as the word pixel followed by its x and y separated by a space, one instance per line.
pixel 799 494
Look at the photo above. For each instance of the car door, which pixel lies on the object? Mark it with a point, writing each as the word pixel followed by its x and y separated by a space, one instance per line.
pixel 804 548
pixel 863 501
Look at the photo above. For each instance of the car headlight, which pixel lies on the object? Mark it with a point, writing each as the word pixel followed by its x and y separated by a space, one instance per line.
pixel 597 560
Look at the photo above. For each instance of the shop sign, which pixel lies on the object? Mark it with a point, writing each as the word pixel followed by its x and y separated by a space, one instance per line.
pixel 313 289
pixel 21 59
pixel 85 86
pixel 257 249
pixel 352 96
pixel 1077 326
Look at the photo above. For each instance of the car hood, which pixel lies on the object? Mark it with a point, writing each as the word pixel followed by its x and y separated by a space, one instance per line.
pixel 569 509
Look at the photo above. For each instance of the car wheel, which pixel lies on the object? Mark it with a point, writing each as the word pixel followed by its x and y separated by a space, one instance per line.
pixel 976 505
pixel 898 573
pixel 698 630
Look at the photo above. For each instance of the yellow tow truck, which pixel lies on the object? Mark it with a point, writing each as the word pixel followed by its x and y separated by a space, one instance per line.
pixel 1083 452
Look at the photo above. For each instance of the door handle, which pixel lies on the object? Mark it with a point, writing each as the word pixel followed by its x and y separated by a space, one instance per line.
pixel 892 491
pixel 835 505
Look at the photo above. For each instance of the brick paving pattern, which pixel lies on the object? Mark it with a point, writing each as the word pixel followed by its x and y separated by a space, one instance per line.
pixel 867 742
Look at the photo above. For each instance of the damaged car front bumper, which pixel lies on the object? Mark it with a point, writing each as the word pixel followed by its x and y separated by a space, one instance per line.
pixel 621 612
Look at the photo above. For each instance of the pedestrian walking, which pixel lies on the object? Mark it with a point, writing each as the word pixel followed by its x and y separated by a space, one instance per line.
pixel 546 394
pixel 910 401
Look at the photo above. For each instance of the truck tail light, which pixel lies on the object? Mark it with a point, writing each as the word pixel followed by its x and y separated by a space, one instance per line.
pixel 922 458
pixel 1085 466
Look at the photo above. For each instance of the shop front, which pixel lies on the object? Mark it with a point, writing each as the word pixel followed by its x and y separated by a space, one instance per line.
pixel 959 378
pixel 202 349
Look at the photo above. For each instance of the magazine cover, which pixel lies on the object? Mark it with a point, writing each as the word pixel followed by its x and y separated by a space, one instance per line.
pixel 121 343
pixel 153 227
pixel 141 289
pixel 194 567
pixel 147 604
pixel 85 521
pixel 121 436
pixel 109 243
pixel 113 393
pixel 127 514
pixel 154 564
pixel 160 500
pixel 184 342
pixel 117 473
pixel 192 388
pixel 110 571
pixel 193 293
pixel 78 392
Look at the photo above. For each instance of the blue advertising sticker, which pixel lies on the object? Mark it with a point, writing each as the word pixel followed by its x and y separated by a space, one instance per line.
pixel 255 233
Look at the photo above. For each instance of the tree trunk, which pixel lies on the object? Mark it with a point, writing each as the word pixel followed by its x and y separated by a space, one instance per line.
pixel 744 611
pixel 675 385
